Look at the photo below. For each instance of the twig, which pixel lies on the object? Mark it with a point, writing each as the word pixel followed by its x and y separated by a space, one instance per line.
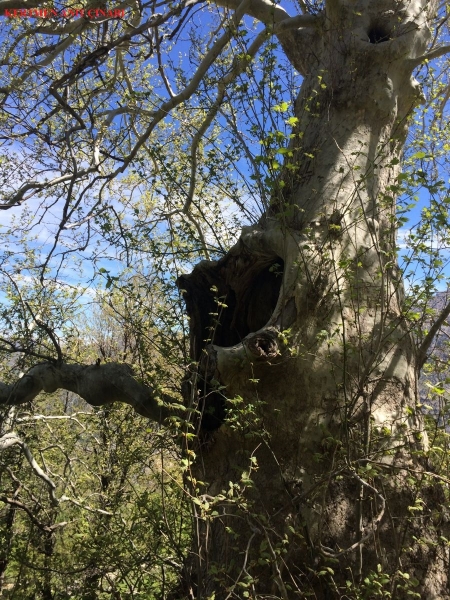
pixel 48 331
pixel 42 527
pixel 84 507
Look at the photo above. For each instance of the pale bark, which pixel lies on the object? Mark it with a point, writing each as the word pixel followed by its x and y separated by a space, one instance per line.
pixel 97 384
pixel 324 352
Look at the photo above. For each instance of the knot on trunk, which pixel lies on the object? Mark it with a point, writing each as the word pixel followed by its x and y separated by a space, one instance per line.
pixel 264 345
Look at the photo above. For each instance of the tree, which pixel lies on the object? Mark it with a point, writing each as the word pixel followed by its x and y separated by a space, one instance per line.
pixel 91 500
pixel 309 473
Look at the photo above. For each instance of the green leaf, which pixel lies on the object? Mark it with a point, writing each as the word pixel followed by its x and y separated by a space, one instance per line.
pixel 282 107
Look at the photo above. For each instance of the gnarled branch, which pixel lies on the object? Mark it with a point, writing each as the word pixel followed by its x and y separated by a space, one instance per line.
pixel 97 384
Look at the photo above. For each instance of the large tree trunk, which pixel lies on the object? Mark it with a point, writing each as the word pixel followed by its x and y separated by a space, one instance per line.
pixel 314 341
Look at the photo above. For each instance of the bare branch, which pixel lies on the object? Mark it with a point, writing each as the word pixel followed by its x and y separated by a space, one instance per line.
pixel 97 384
pixel 428 340
pixel 157 116
pixel 45 418
pixel 11 439
pixel 165 108
pixel 91 215
pixel 239 67
pixel 436 53
pixel 45 61
pixel 270 13
pixel 24 507
pixel 102 52
pixel 69 109
pixel 35 186
pixel 85 507
pixel 48 330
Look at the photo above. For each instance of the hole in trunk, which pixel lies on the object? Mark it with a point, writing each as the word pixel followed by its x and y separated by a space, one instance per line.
pixel 263 346
pixel 249 288
pixel 378 34
pixel 257 300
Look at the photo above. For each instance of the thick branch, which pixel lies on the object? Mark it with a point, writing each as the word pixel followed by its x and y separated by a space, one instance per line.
pixel 272 14
pixel 428 340
pixel 436 53
pixel 97 384
pixel 296 22
pixel 263 10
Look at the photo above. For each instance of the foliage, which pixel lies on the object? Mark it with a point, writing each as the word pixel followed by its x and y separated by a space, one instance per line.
pixel 116 523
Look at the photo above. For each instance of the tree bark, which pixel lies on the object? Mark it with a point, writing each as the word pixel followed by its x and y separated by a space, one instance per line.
pixel 307 381
pixel 97 384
